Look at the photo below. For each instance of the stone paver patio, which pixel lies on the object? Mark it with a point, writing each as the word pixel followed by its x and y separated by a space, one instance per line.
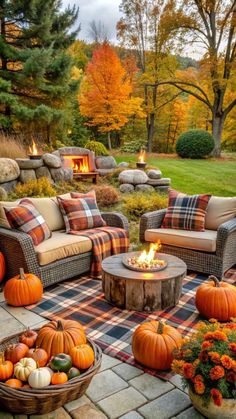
pixel 118 391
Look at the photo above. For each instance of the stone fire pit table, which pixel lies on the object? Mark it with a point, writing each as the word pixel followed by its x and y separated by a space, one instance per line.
pixel 142 291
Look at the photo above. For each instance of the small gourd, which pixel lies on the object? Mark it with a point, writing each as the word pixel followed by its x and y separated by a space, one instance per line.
pixel 24 367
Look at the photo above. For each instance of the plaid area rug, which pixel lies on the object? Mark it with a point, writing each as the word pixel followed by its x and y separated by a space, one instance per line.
pixel 110 327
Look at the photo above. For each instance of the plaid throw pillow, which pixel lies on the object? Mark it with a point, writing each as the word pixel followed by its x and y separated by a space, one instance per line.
pixel 80 214
pixel 25 217
pixel 186 212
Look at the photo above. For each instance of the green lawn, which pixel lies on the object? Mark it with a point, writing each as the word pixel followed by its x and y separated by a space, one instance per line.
pixel 212 176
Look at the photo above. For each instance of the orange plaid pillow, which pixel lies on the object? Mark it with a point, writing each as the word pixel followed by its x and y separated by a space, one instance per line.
pixel 25 217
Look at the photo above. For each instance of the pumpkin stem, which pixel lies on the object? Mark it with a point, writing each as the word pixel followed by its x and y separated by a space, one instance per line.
pixel 59 325
pixel 215 280
pixel 22 273
pixel 160 327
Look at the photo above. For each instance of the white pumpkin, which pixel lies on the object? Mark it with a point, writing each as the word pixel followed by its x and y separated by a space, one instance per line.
pixel 40 378
pixel 50 370
pixel 24 367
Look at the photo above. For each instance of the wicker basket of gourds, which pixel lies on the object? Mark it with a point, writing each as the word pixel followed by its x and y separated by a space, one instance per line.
pixel 29 389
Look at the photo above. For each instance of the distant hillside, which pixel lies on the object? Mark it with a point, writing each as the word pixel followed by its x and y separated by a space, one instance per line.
pixel 186 62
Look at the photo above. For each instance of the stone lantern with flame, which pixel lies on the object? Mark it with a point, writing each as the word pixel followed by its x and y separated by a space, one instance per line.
pixel 34 153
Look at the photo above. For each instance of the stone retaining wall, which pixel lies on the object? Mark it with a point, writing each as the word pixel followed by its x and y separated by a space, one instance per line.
pixel 138 180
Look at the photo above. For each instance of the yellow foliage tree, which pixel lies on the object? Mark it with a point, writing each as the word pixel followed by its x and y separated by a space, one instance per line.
pixel 105 92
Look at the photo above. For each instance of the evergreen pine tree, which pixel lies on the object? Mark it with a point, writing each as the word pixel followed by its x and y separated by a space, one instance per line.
pixel 35 80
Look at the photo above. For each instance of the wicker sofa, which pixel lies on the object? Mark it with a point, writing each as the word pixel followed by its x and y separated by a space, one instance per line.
pixel 61 257
pixel 212 251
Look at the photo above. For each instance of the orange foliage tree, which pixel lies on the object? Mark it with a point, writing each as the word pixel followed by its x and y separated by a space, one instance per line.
pixel 105 92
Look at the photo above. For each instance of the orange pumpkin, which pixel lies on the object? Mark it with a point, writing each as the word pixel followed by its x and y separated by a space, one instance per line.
pixel 14 382
pixel 28 338
pixel 6 368
pixel 216 299
pixel 39 355
pixel 2 267
pixel 15 352
pixel 59 378
pixel 23 289
pixel 153 344
pixel 60 336
pixel 82 356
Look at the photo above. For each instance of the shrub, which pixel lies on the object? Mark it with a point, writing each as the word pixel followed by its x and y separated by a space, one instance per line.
pixel 195 144
pixel 98 148
pixel 11 147
pixel 38 188
pixel 106 195
pixel 138 203
pixel 133 146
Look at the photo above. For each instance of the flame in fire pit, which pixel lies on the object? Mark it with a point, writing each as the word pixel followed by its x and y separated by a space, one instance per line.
pixel 146 261
pixel 142 156
pixel 147 257
pixel 33 149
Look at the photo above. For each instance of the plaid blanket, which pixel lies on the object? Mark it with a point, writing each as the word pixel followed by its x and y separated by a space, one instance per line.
pixel 110 327
pixel 106 241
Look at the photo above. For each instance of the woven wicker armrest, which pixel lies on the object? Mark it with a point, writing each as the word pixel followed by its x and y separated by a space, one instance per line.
pixel 150 220
pixel 18 251
pixel 115 219
pixel 226 238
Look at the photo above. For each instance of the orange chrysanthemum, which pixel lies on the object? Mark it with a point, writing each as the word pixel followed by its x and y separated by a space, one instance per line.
pixel 232 347
pixel 177 366
pixel 188 370
pixel 226 361
pixel 217 372
pixel 198 377
pixel 217 335
pixel 213 321
pixel 196 363
pixel 206 344
pixel 203 356
pixel 199 387
pixel 234 366
pixel 216 396
pixel 231 377
pixel 215 357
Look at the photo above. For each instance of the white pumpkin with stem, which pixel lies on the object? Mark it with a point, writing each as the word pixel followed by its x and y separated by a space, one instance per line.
pixel 40 378
pixel 24 367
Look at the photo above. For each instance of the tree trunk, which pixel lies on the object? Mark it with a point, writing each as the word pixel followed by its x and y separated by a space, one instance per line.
pixel 109 140
pixel 150 131
pixel 217 129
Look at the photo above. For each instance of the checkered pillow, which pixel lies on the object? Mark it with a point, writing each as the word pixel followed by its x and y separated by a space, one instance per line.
pixel 80 214
pixel 25 217
pixel 186 212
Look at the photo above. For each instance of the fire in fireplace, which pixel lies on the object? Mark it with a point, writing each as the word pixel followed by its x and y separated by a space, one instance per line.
pixel 79 164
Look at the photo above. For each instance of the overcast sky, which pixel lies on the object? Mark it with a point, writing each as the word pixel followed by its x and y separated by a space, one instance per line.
pixel 107 11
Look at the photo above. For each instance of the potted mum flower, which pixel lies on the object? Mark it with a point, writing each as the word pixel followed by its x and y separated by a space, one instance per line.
pixel 207 363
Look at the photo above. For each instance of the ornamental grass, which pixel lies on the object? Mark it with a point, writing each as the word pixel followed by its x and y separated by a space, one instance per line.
pixel 207 361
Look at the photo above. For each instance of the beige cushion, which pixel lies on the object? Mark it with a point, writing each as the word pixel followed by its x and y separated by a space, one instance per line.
pixel 219 210
pixel 60 246
pixel 3 219
pixel 196 240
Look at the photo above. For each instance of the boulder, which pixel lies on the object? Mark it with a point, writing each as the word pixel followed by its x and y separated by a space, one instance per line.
pixel 9 170
pixel 123 164
pixel 51 160
pixel 105 162
pixel 162 189
pixel 104 172
pixel 126 188
pixel 165 181
pixel 135 177
pixel 154 174
pixel 68 174
pixel 9 186
pixel 29 164
pixel 144 188
pixel 26 175
pixel 56 153
pixel 57 174
pixel 3 194
pixel 43 172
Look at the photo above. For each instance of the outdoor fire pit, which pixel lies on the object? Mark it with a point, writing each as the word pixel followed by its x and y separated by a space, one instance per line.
pixel 145 261
pixel 34 152
pixel 141 164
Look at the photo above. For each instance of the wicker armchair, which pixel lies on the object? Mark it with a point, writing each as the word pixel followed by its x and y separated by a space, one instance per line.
pixel 19 252
pixel 216 263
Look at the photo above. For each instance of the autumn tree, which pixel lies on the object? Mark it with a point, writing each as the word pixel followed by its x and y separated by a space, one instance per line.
pixel 34 65
pixel 147 26
pixel 212 24
pixel 105 92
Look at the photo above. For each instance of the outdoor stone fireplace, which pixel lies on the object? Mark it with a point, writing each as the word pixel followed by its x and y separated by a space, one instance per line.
pixel 80 160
